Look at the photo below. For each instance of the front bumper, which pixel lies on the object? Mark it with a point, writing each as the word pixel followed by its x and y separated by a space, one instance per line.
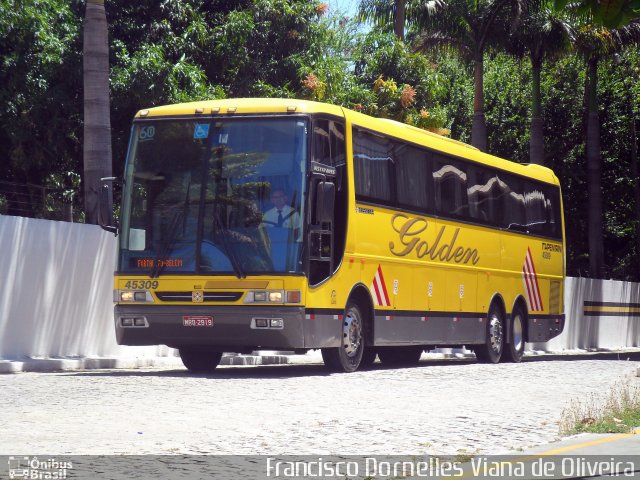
pixel 229 328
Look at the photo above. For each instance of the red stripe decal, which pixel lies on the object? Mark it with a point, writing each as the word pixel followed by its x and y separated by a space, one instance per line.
pixel 384 287
pixel 376 290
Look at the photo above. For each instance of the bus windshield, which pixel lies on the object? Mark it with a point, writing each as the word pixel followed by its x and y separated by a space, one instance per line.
pixel 214 196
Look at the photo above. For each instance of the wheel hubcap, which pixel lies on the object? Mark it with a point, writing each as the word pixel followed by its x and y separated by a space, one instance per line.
pixel 351 334
pixel 495 334
pixel 517 332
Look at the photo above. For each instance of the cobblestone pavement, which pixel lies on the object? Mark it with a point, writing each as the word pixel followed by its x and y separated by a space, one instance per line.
pixel 440 407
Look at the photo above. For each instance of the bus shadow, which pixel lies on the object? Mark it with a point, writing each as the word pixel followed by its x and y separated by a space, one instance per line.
pixel 289 370
pixel 293 370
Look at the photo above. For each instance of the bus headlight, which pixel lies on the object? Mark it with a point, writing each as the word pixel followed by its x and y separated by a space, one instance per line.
pixel 126 296
pixel 264 296
pixel 132 296
pixel 275 297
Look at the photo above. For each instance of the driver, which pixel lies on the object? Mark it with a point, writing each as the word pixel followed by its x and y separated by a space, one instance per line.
pixel 282 215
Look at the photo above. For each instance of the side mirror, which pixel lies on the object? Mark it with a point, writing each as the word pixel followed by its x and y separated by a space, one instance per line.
pixel 105 214
pixel 325 200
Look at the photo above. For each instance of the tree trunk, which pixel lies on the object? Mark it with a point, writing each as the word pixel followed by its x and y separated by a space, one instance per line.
pixel 536 140
pixel 97 123
pixel 594 174
pixel 479 125
pixel 398 21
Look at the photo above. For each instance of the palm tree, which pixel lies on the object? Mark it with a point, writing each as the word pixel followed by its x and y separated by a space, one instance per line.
pixel 97 124
pixel 468 26
pixel 607 13
pixel 541 34
pixel 399 19
pixel 384 13
pixel 595 42
pixel 397 13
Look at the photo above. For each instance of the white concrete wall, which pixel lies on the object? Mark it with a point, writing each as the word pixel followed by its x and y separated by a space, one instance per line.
pixel 56 284
pixel 56 297
pixel 604 332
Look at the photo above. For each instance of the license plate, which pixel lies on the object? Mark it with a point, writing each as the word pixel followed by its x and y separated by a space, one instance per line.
pixel 197 321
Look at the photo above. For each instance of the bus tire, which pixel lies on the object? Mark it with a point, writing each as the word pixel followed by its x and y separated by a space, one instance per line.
pixel 400 356
pixel 368 357
pixel 200 361
pixel 348 356
pixel 515 346
pixel 491 350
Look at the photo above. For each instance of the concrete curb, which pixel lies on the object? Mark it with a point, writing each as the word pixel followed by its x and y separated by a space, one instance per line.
pixel 63 364
pixel 104 363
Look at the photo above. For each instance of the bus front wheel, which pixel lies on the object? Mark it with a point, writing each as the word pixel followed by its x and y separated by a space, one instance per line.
pixel 348 356
pixel 368 357
pixel 200 361
pixel 491 350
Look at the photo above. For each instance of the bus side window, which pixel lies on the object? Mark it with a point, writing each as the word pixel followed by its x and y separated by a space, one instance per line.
pixel 536 202
pixel 374 167
pixel 450 187
pixel 412 177
pixel 554 227
pixel 513 203
pixel 483 191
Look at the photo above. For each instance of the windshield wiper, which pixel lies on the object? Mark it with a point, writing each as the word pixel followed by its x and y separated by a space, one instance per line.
pixel 180 216
pixel 228 248
pixel 168 244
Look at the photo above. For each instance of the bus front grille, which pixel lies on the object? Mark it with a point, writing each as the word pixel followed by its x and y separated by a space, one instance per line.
pixel 207 296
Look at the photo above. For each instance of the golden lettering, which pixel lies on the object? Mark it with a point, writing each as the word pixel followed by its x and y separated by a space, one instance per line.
pixel 406 231
pixel 409 230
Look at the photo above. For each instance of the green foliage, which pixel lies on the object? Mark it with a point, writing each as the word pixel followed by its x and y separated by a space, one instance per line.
pixel 618 95
pixel 507 106
pixel 405 85
pixel 608 13
pixel 455 93
pixel 563 113
pixel 324 69
pixel 40 86
pixel 61 190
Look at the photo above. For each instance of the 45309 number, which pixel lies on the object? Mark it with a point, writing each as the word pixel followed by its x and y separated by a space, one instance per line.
pixel 141 285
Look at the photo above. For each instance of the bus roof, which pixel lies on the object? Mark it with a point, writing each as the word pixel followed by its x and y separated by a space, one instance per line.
pixel 240 106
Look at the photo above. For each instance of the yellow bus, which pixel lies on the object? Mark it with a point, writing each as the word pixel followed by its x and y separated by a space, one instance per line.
pixel 282 224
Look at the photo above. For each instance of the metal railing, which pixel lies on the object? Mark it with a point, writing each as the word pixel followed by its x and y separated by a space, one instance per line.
pixel 38 201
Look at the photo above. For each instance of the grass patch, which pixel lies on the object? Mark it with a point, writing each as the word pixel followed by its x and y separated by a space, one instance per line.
pixel 618 413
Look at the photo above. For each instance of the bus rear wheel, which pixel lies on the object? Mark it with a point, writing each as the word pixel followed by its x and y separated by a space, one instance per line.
pixel 400 356
pixel 200 361
pixel 348 356
pixel 515 347
pixel 491 350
